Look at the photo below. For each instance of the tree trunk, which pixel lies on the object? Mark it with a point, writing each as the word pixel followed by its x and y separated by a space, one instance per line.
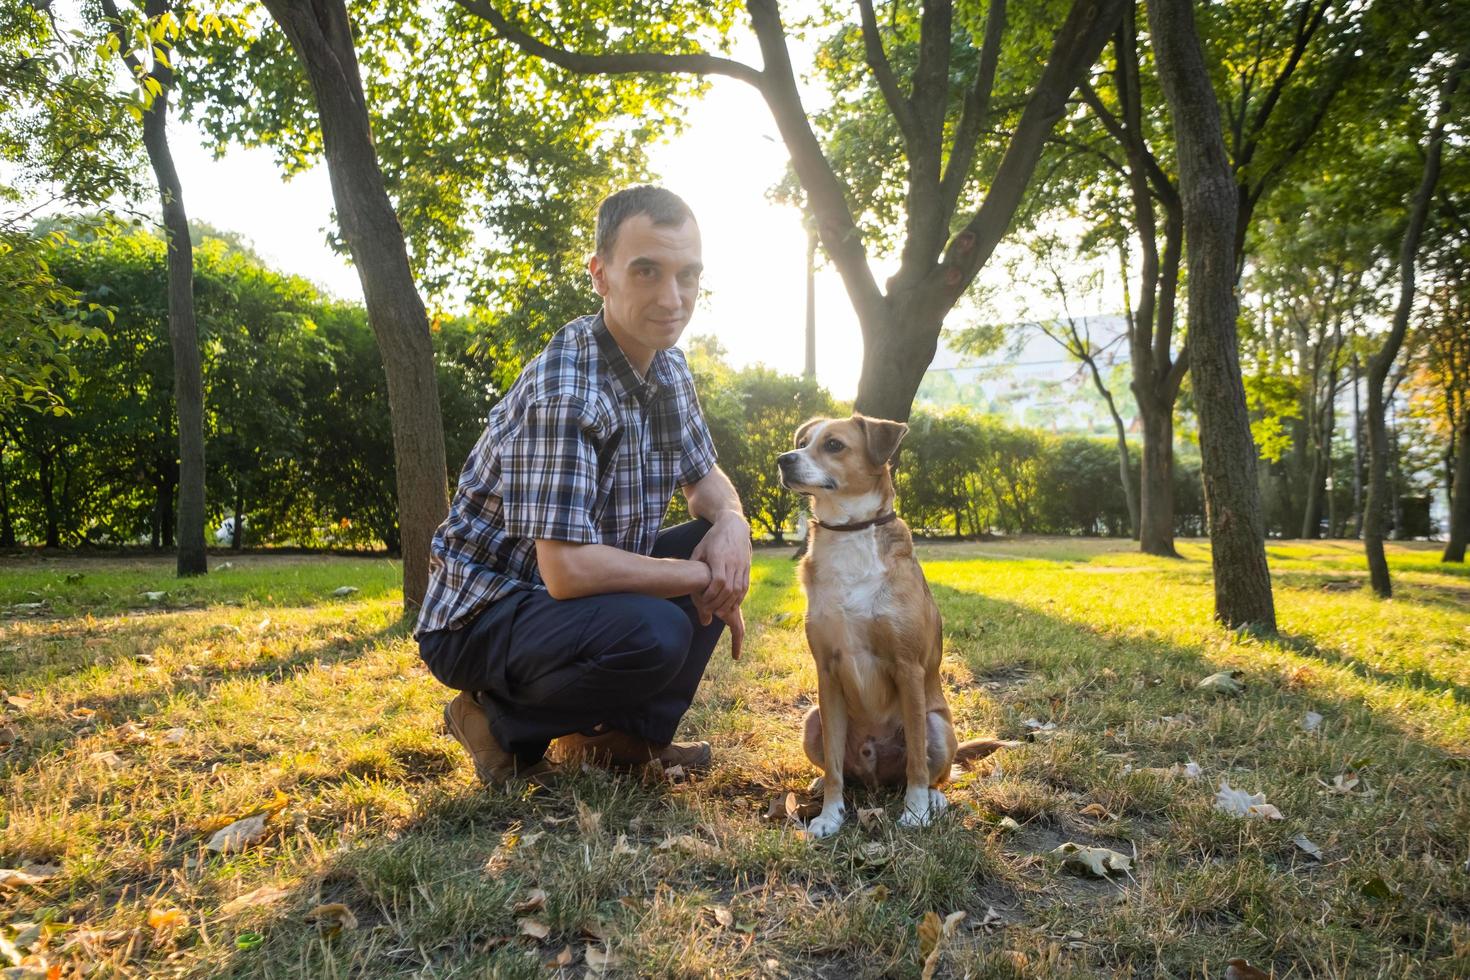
pixel 1156 483
pixel 1316 489
pixel 183 331
pixel 899 341
pixel 1207 187
pixel 1454 549
pixel 7 522
pixel 1382 361
pixel 321 36
pixel 1358 446
pixel 237 533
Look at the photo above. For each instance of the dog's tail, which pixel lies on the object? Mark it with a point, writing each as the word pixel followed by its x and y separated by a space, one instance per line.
pixel 969 752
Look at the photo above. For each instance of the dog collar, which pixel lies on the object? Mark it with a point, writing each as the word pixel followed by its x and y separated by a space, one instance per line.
pixel 887 518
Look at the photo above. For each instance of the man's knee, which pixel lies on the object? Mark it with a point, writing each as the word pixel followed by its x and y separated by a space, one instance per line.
pixel 651 640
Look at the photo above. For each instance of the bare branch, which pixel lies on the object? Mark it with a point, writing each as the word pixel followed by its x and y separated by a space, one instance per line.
pixel 613 64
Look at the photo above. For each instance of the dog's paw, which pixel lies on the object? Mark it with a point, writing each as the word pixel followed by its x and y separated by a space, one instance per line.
pixel 920 806
pixel 826 823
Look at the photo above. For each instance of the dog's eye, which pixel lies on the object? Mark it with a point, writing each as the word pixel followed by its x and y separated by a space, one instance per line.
pixel 801 444
pixel 832 446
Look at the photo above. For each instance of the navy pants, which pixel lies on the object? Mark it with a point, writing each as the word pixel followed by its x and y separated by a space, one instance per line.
pixel 543 667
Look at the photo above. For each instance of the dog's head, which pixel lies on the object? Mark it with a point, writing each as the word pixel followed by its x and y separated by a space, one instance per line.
pixel 844 459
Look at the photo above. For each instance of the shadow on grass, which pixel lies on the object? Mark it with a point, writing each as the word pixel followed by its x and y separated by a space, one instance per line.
pixel 438 892
pixel 41 739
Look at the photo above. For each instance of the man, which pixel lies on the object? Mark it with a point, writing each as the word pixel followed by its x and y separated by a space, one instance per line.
pixel 555 605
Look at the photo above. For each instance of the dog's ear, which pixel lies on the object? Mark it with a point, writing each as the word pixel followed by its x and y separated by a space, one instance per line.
pixel 803 429
pixel 883 437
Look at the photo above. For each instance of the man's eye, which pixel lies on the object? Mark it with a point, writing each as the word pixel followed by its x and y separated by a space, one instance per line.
pixel 832 446
pixel 646 272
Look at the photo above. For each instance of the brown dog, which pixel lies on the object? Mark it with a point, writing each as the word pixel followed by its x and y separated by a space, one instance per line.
pixel 872 626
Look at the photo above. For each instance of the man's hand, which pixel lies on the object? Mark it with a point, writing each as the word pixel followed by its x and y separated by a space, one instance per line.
pixel 726 550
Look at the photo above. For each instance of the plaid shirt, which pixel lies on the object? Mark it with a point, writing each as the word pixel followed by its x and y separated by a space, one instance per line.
pixel 581 450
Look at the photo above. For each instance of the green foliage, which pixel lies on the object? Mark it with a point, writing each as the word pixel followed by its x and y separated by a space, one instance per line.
pixel 40 320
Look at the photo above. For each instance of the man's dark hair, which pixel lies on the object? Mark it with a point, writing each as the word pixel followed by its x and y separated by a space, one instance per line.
pixel 663 206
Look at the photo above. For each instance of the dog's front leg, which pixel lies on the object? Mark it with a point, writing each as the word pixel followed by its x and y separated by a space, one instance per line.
pixel 920 803
pixel 834 748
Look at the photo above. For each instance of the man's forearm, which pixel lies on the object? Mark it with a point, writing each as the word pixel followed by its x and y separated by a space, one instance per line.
pixel 571 571
pixel 714 497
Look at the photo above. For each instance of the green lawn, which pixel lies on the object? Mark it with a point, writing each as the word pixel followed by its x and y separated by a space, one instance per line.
pixel 132 727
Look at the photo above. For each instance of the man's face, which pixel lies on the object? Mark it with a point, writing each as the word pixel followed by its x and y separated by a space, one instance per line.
pixel 648 285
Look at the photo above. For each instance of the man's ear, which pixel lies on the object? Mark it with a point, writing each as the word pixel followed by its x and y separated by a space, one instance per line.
pixel 598 271
pixel 883 437
pixel 802 430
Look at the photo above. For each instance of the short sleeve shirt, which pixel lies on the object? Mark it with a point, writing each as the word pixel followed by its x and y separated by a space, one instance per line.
pixel 581 449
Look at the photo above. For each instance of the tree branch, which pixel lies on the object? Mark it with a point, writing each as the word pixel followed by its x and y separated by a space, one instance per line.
pixel 612 64
pixel 976 109
pixel 898 103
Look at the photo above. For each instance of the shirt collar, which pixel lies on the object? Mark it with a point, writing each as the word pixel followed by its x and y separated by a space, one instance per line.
pixel 622 371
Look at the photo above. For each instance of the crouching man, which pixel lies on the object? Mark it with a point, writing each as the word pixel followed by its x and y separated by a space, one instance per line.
pixel 555 604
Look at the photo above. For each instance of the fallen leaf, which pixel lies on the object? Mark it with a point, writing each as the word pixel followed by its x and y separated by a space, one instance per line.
pixel 256 897
pixel 1224 682
pixel 932 933
pixel 108 758
pixel 529 840
pixel 1036 725
pixel 1305 843
pixel 1239 803
pixel 596 929
pixel 623 847
pixel 991 918
pixel 722 915
pixel 793 805
pixel 870 816
pixel 160 918
pixel 20 701
pixel 689 844
pixel 1377 888
pixel 1310 721
pixel 533 928
pixel 33 874
pixel 534 901
pixel 1097 811
pixel 345 590
pixel 564 958
pixel 589 821
pixel 600 959
pixel 1100 861
pixel 132 732
pixel 674 773
pixel 82 714
pixel 332 918
pixel 1238 969
pixel 263 625
pixel 1009 823
pixel 1343 784
pixel 238 835
pixel 174 735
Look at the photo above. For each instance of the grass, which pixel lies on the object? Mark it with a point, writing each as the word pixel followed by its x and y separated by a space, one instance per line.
pixel 225 691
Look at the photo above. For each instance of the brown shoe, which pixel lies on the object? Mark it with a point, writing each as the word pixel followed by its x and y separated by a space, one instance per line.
pixel 619 750
pixel 466 721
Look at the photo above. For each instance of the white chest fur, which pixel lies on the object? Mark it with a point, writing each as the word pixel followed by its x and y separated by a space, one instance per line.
pixel 849 573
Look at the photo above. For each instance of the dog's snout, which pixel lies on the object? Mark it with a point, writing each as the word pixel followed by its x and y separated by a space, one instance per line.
pixel 786 459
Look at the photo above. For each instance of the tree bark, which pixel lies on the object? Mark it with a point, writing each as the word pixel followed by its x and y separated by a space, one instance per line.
pixel 7 521
pixel 1454 549
pixel 1208 195
pixel 1381 362
pixel 321 35
pixel 1156 482
pixel 183 330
